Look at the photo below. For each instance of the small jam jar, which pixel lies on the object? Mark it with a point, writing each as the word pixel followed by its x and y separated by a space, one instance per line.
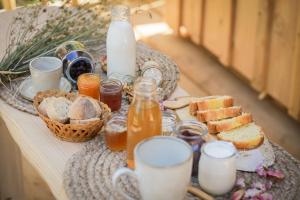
pixel 89 84
pixel 111 93
pixel 193 132
pixel 116 133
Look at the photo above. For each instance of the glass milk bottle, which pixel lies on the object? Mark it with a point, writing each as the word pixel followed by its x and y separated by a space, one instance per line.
pixel 217 169
pixel 120 43
pixel 144 116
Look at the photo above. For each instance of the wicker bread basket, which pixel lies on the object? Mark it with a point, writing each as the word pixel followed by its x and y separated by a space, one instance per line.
pixel 71 132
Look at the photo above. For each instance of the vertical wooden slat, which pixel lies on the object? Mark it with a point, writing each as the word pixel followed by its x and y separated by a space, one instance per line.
pixel 217 28
pixel 294 105
pixel 172 14
pixel 262 45
pixel 282 47
pixel 192 12
pixel 250 39
pixel 9 4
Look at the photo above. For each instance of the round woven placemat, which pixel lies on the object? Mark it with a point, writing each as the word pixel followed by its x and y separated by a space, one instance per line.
pixel 170 70
pixel 89 172
pixel 10 93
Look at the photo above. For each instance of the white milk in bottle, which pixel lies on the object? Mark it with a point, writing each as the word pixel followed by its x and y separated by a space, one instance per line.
pixel 121 43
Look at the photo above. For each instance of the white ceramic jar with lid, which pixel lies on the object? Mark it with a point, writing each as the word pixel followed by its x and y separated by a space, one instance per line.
pixel 217 167
pixel 121 43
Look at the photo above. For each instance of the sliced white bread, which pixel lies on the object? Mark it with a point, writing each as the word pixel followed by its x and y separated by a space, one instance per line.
pixel 179 102
pixel 229 124
pixel 245 137
pixel 213 102
pixel 218 114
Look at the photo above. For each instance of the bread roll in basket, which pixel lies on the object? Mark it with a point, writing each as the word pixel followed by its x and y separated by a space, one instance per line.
pixel 71 132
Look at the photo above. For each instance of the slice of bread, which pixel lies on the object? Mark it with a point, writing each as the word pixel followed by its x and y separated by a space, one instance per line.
pixel 229 124
pixel 179 102
pixel 218 114
pixel 212 102
pixel 245 137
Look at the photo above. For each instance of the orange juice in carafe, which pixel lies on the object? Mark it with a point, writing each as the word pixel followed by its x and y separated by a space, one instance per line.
pixel 144 116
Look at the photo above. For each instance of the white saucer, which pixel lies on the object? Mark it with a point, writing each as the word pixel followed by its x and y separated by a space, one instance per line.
pixel 28 92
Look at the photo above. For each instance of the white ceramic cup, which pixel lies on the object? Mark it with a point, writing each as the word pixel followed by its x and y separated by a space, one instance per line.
pixel 163 166
pixel 217 167
pixel 46 73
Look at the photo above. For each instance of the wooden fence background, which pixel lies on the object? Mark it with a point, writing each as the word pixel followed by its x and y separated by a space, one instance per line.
pixel 258 39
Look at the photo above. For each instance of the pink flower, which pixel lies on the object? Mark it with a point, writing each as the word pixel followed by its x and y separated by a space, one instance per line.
pixel 265 196
pixel 260 170
pixel 252 192
pixel 237 195
pixel 258 185
pixel 240 182
pixel 275 173
pixel 269 185
pixel 264 172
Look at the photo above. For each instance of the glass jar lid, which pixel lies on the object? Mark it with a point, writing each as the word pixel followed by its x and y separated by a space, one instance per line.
pixel 116 124
pixel 192 127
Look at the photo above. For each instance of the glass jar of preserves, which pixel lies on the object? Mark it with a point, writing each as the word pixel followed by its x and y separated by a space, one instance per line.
pixel 193 132
pixel 116 133
pixel 111 93
pixel 89 85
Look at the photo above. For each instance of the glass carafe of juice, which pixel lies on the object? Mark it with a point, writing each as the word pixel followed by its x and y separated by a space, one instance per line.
pixel 144 116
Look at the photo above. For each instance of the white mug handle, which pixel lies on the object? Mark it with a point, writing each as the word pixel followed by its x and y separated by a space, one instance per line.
pixel 116 177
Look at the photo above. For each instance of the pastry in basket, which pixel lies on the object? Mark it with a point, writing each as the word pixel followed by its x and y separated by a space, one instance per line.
pixel 218 114
pixel 55 108
pixel 70 117
pixel 83 110
pixel 212 102
pixel 229 124
pixel 42 108
pixel 248 136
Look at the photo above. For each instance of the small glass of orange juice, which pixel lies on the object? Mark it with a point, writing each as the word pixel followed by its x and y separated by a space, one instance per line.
pixel 89 85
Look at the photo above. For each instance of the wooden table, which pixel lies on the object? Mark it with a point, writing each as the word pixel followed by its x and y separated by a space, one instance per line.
pixel 45 152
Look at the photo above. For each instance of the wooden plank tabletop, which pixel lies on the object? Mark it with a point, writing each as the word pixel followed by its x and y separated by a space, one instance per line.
pixel 45 152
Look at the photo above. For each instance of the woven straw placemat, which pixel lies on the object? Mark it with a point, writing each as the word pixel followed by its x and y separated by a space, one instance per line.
pixel 89 172
pixel 10 93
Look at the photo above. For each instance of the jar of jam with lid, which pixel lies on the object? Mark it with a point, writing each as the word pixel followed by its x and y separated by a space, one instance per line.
pixel 193 132
pixel 76 60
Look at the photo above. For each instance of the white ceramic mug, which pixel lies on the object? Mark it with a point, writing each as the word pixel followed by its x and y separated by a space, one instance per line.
pixel 217 167
pixel 46 73
pixel 163 166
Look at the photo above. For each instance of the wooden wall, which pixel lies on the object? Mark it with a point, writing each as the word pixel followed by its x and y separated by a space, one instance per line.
pixel 259 39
